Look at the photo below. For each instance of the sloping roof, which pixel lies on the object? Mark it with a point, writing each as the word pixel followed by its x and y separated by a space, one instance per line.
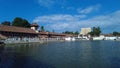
pixel 45 33
pixel 16 29
pixel 35 24
pixel 108 35
pixel 51 33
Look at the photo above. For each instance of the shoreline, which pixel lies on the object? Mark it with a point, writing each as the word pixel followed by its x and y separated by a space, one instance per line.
pixel 39 42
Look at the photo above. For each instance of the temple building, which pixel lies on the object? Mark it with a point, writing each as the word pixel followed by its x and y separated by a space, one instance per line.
pixel 51 35
pixel 85 31
pixel 15 34
pixel 35 26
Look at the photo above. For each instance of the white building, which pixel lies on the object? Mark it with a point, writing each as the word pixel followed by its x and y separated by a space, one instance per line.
pixel 85 31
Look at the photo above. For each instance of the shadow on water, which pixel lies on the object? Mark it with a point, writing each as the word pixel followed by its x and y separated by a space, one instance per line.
pixel 10 57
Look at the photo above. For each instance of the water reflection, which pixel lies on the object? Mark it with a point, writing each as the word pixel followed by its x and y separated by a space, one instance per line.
pixel 78 54
pixel 85 54
pixel 17 56
pixel 115 62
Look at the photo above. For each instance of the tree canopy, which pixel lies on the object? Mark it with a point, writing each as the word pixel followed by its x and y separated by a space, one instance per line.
pixel 116 33
pixel 95 31
pixel 20 22
pixel 6 23
pixel 70 32
pixel 42 29
pixel 76 33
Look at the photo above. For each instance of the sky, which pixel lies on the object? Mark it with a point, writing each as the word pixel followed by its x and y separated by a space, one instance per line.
pixel 64 15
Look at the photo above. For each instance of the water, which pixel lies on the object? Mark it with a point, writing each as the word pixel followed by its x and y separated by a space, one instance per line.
pixel 78 54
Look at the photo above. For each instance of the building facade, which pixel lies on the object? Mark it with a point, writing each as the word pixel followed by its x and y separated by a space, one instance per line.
pixel 85 31
pixel 18 34
pixel 13 34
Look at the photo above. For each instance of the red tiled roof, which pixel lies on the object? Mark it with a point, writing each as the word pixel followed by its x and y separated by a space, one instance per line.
pixel 51 33
pixel 16 29
pixel 45 33
pixel 108 34
pixel 35 24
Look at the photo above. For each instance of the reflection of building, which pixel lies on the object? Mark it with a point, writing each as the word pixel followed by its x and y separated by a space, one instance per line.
pixel 85 31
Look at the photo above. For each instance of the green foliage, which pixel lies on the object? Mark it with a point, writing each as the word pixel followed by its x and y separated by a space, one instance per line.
pixel 26 23
pixel 91 33
pixel 76 33
pixel 6 23
pixel 42 29
pixel 20 22
pixel 95 31
pixel 70 32
pixel 116 33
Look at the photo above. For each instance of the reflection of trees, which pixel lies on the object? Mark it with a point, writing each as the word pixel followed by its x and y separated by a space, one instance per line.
pixel 1 52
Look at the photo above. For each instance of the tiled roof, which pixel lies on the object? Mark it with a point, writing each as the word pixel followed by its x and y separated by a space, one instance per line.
pixel 35 24
pixel 51 33
pixel 16 29
pixel 45 33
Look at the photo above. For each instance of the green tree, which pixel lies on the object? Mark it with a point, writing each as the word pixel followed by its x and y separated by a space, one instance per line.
pixel 98 31
pixel 95 31
pixel 116 33
pixel 6 23
pixel 42 29
pixel 17 22
pixel 91 33
pixel 68 32
pixel 20 22
pixel 25 23
pixel 76 33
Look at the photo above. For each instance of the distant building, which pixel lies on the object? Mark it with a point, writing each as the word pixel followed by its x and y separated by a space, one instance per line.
pixel 34 26
pixel 85 31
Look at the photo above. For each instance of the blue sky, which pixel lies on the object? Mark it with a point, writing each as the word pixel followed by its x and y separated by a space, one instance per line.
pixel 62 15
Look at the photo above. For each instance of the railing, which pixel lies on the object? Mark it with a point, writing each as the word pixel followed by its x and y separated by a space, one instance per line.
pixel 30 40
pixel 21 40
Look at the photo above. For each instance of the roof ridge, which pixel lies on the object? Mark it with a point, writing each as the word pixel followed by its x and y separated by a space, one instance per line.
pixel 14 26
pixel 16 29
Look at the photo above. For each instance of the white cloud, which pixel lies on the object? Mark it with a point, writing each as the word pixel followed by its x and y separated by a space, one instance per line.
pixel 88 9
pixel 63 22
pixel 58 18
pixel 46 3
pixel 52 3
